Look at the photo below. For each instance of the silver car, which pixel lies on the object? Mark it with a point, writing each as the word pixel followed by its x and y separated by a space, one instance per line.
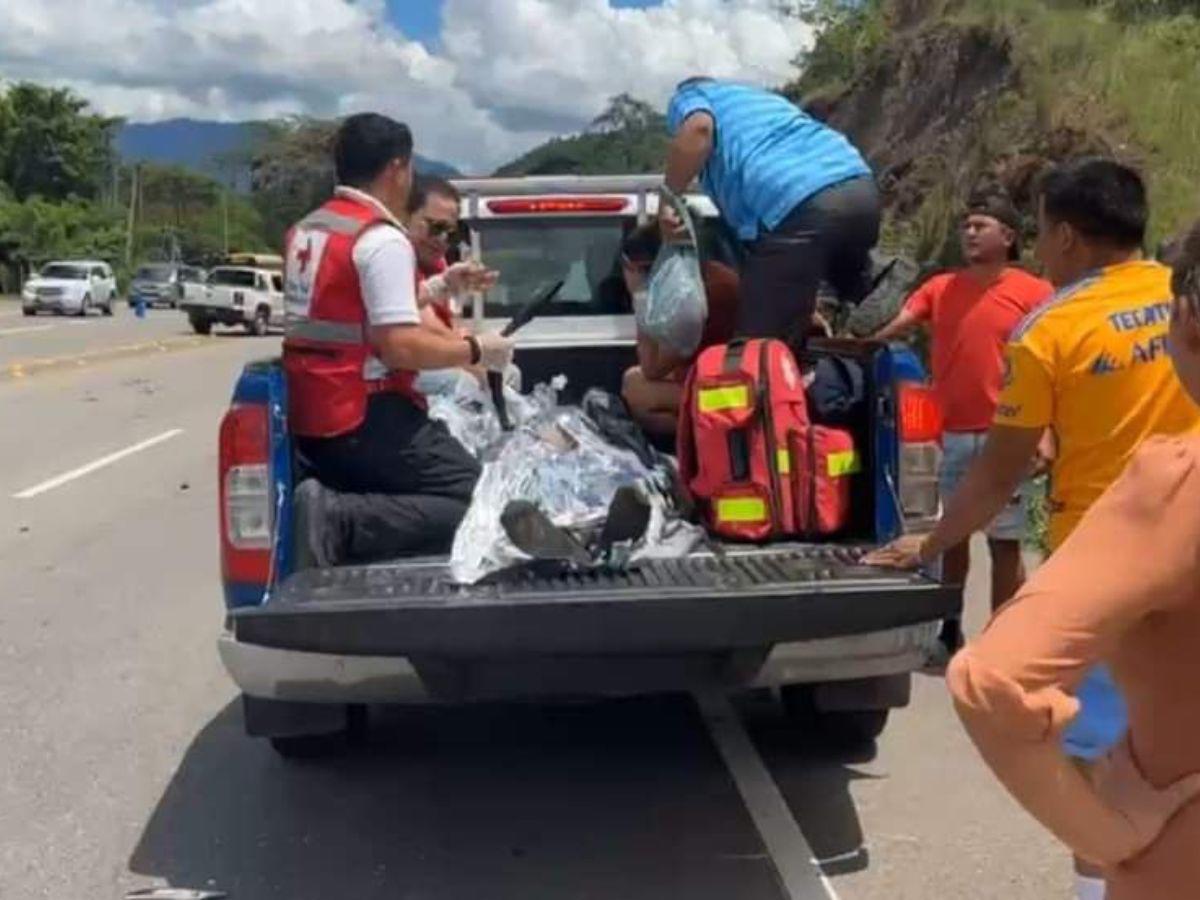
pixel 162 283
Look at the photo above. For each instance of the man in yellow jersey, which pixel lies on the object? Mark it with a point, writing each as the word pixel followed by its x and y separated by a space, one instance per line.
pixel 1092 365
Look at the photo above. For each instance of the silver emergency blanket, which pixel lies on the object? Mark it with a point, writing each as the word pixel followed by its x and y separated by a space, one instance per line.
pixel 555 457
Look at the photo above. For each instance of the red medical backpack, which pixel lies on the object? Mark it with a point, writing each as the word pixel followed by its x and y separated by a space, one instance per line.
pixel 748 452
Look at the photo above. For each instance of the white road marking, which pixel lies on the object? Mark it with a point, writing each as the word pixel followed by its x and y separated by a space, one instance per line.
pixel 100 463
pixel 25 330
pixel 790 853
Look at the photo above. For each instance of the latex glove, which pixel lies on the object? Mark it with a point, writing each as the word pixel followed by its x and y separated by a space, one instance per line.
pixel 469 275
pixel 495 351
pixel 1147 809
pixel 902 553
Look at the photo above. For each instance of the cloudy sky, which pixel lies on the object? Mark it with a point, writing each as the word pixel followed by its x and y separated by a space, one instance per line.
pixel 479 80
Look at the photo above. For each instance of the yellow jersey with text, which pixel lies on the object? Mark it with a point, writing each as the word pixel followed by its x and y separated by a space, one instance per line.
pixel 1092 365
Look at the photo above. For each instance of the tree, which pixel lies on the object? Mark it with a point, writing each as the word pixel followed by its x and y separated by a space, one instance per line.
pixel 51 145
pixel 291 172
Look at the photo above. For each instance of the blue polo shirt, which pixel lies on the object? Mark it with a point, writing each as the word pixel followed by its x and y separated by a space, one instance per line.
pixel 768 156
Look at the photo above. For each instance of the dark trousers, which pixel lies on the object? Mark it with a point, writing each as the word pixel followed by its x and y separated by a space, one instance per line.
pixel 827 238
pixel 404 482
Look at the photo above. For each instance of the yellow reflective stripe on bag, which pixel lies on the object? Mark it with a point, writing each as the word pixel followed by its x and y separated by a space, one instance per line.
pixel 783 461
pixel 844 463
pixel 741 509
pixel 734 396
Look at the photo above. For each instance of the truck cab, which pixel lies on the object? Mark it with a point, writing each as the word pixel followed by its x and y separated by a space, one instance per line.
pixel 837 639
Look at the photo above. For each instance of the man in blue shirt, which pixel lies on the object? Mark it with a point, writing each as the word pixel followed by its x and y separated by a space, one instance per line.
pixel 797 194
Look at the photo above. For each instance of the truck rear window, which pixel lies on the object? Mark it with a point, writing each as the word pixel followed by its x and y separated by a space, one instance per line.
pixel 532 254
pixel 232 277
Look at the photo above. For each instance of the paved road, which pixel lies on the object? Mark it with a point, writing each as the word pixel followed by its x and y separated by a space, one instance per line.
pixel 124 765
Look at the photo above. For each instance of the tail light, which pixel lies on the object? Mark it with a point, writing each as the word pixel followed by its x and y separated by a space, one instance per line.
pixel 245 484
pixel 920 425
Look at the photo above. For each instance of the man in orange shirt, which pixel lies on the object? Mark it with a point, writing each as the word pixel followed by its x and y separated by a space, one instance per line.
pixel 971 313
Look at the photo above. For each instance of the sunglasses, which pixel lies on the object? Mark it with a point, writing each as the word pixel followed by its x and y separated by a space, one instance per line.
pixel 439 228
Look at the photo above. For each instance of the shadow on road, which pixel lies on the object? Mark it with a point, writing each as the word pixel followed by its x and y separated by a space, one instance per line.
pixel 624 799
pixel 814 777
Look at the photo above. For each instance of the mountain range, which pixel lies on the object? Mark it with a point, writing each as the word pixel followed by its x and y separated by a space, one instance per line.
pixel 210 147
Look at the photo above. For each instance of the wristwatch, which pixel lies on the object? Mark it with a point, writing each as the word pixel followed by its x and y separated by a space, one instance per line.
pixel 476 349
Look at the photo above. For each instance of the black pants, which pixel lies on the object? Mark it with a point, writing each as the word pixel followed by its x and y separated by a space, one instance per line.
pixel 828 238
pixel 404 482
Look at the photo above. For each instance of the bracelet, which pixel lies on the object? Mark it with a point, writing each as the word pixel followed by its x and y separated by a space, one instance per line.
pixel 476 349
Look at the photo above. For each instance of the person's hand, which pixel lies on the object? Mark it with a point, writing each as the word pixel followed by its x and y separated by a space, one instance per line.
pixel 495 351
pixel 670 225
pixel 470 275
pixel 1147 809
pixel 1043 457
pixel 902 553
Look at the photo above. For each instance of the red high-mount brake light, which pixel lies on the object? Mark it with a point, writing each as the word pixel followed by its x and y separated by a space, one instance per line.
pixel 533 205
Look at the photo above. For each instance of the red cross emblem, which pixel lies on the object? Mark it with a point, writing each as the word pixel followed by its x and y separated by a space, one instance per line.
pixel 305 255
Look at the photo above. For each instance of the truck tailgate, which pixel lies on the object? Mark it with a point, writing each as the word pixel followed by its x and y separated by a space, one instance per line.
pixel 745 598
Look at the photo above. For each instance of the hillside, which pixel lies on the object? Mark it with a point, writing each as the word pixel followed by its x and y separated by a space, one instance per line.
pixel 943 95
pixel 206 146
pixel 628 137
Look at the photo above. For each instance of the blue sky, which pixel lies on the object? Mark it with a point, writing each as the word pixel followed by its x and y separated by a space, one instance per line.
pixel 421 19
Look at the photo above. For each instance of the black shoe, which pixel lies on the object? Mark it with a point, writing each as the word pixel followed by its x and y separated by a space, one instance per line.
pixel 628 519
pixel 534 534
pixel 312 534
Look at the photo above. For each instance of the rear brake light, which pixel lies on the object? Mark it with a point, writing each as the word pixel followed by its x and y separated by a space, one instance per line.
pixel 920 425
pixel 920 415
pixel 524 206
pixel 245 502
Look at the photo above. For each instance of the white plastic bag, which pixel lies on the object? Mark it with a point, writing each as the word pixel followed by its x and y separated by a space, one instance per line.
pixel 675 308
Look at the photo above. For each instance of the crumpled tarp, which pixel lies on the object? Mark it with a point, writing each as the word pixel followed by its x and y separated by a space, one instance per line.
pixel 555 457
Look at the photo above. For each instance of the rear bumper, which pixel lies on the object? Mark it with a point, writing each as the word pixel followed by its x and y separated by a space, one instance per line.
pixel 280 674
pixel 224 315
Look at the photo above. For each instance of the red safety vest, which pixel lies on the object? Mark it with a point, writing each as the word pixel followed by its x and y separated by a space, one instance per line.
pixel 326 351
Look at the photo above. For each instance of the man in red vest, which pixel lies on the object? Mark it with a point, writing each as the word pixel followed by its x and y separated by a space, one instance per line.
pixel 354 345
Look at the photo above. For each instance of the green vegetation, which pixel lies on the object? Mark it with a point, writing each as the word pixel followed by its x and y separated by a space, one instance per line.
pixel 1127 72
pixel 1118 77
pixel 64 193
pixel 628 137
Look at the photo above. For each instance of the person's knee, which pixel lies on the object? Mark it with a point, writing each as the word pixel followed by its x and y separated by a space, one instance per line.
pixel 633 390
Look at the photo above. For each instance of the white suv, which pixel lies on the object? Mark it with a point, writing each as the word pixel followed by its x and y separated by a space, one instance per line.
pixel 70 286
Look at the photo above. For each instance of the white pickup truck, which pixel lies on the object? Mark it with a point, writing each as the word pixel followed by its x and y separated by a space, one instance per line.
pixel 249 295
pixel 837 639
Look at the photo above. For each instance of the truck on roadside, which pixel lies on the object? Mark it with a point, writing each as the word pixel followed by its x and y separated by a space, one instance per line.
pixel 246 291
pixel 839 641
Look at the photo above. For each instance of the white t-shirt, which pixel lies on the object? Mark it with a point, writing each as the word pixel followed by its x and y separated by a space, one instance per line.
pixel 386 267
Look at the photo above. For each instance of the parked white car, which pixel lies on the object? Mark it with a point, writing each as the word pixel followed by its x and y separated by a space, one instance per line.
pixel 70 286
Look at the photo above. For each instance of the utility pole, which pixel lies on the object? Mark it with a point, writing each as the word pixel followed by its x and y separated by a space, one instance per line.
pixel 225 215
pixel 134 190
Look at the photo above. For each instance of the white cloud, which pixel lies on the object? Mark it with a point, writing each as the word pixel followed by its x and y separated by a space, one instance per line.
pixel 509 73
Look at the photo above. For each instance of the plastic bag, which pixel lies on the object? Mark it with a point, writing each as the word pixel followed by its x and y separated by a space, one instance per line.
pixel 470 417
pixel 675 307
pixel 557 459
